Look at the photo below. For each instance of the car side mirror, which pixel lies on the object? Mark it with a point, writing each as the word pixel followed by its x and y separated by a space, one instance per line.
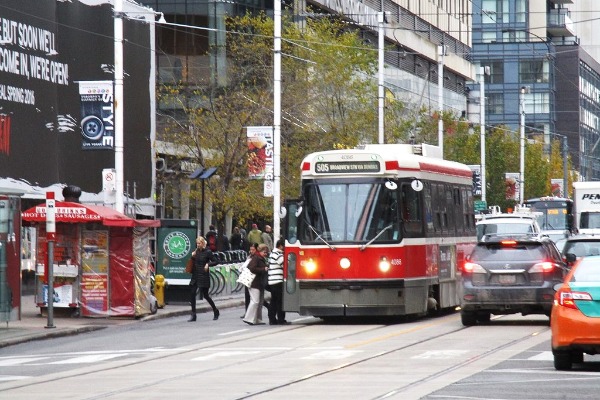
pixel 570 257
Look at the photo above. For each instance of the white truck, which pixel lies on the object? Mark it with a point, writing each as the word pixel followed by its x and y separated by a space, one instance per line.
pixel 586 204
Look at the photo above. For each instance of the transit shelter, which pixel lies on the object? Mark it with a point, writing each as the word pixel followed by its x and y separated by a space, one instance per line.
pixel 102 260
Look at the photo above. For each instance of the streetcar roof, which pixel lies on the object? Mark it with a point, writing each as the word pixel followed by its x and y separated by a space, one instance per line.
pixel 392 157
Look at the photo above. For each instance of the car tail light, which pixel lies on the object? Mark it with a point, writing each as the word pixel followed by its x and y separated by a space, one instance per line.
pixel 508 243
pixel 472 268
pixel 567 298
pixel 545 266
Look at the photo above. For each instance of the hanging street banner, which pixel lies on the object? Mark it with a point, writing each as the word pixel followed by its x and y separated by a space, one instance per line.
pixel 512 185
pixel 557 187
pixel 260 152
pixel 476 179
pixel 97 115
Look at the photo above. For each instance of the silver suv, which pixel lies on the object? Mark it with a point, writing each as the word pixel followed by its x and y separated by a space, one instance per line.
pixel 506 224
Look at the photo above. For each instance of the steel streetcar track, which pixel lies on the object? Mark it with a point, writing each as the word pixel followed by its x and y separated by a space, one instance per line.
pixel 251 359
pixel 460 365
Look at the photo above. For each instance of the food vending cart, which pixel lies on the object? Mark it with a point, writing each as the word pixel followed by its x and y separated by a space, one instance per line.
pixel 102 260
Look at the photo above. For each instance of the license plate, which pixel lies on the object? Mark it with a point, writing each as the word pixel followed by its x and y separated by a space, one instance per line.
pixel 507 279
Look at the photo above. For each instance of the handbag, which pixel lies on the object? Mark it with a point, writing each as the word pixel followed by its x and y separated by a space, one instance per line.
pixel 189 266
pixel 246 277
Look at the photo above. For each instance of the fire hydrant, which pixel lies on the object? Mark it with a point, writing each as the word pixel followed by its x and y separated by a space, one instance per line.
pixel 159 290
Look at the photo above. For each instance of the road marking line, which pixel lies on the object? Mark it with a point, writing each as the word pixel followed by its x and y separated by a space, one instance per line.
pixel 233 332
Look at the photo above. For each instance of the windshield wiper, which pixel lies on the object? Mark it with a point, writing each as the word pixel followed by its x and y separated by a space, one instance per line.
pixel 320 237
pixel 364 246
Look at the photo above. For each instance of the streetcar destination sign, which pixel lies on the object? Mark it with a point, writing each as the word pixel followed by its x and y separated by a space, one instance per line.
pixel 340 167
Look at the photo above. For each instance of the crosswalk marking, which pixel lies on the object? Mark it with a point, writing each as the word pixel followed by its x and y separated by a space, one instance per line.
pixel 89 359
pixel 8 378
pixel 440 354
pixel 224 354
pixel 542 356
pixel 18 361
pixel 332 355
pixel 316 353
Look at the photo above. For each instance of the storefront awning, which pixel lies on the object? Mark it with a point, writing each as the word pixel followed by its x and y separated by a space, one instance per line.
pixel 79 213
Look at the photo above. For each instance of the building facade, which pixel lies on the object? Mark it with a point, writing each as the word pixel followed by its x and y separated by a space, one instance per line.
pixel 537 67
pixel 193 52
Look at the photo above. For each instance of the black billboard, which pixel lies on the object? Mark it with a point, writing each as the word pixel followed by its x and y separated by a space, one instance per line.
pixel 48 50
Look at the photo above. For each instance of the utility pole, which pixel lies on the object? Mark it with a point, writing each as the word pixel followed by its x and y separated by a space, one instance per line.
pixel 441 54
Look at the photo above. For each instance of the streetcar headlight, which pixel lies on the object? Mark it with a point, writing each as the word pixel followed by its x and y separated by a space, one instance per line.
pixel 309 265
pixel 345 263
pixel 384 264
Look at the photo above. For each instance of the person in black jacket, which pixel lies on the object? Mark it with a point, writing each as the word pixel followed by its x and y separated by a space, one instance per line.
pixel 203 259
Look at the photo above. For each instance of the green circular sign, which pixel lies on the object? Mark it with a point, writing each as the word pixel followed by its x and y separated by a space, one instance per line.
pixel 176 245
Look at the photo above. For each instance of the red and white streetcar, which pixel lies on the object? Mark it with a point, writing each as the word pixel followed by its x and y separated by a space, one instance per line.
pixel 380 230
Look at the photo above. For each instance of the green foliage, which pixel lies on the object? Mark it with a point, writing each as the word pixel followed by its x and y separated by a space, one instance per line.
pixel 329 100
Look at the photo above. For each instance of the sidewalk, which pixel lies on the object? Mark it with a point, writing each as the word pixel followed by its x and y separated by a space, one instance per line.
pixel 33 325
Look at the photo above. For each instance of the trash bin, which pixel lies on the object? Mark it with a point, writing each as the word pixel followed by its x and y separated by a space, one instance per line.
pixel 159 290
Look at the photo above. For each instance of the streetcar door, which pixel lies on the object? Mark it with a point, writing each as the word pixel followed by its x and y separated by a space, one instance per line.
pixel 291 215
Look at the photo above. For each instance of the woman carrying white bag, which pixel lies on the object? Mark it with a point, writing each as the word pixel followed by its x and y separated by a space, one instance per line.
pixel 258 266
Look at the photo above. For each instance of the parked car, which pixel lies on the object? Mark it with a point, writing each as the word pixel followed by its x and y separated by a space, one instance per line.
pixel 505 223
pixel 508 274
pixel 579 246
pixel 575 319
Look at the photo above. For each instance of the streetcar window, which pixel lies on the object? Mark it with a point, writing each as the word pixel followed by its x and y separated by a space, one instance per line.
pixel 428 212
pixel 350 212
pixel 411 210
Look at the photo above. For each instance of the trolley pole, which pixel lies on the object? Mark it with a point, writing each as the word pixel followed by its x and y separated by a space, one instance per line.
pixel 50 237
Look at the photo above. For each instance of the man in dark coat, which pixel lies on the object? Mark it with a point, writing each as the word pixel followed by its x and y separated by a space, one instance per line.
pixel 203 259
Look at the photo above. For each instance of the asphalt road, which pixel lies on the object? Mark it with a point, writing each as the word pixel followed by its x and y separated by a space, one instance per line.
pixel 432 358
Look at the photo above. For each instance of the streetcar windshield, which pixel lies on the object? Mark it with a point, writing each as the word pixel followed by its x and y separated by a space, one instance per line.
pixel 349 212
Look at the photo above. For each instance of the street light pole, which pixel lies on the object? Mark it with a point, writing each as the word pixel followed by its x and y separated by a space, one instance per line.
pixel 118 105
pixel 524 91
pixel 483 71
pixel 565 167
pixel 276 118
pixel 381 33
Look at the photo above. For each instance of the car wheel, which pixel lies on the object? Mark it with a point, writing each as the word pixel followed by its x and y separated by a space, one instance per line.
pixel 468 318
pixel 562 360
pixel 483 317
pixel 577 357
